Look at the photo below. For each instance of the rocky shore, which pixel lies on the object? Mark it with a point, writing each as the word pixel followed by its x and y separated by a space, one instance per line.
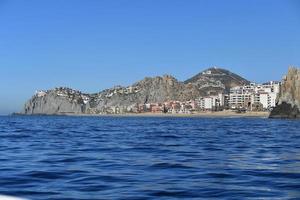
pixel 288 104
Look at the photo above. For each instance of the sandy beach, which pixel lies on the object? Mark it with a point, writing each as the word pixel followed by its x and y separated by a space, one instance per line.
pixel 225 114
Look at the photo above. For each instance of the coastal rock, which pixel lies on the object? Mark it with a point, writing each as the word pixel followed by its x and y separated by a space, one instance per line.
pixel 288 103
pixel 57 101
pixel 285 110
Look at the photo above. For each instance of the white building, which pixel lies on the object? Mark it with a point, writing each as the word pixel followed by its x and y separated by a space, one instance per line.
pixel 40 93
pixel 240 96
pixel 206 103
pixel 267 99
pixel 211 102
pixel 248 95
pixel 264 99
pixel 272 99
pixel 85 99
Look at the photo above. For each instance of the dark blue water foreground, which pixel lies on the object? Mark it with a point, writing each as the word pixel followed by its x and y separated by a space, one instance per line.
pixel 149 158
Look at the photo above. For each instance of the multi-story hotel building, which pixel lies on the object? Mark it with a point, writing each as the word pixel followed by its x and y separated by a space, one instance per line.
pixel 211 102
pixel 254 94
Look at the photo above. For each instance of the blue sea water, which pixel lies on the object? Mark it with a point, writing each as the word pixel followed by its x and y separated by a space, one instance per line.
pixel 149 158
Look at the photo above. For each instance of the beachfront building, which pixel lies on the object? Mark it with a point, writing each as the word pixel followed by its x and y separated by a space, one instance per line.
pixel 175 107
pixel 240 97
pixel 210 103
pixel 260 95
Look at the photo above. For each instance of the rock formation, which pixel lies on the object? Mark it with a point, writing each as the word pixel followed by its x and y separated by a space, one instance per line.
pixel 288 104
pixel 149 90
pixel 57 101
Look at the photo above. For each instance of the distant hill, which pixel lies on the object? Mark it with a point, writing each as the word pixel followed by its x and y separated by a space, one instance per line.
pixel 216 80
pixel 149 90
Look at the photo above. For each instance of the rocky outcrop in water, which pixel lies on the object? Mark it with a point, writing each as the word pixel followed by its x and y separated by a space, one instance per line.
pixel 149 90
pixel 288 104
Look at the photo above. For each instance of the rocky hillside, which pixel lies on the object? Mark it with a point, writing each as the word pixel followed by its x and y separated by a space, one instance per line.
pixel 216 80
pixel 57 101
pixel 149 90
pixel 288 105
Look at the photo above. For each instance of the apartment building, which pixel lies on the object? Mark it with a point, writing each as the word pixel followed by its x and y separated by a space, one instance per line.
pixel 211 102
pixel 247 96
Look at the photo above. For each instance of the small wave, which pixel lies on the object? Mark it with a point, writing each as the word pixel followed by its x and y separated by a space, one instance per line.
pixel 147 158
pixel 45 175
pixel 170 166
pixel 175 194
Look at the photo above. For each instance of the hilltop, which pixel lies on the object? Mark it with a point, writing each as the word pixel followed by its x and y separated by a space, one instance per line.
pixel 216 80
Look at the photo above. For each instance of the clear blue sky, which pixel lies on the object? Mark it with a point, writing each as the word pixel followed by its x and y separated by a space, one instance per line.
pixel 92 45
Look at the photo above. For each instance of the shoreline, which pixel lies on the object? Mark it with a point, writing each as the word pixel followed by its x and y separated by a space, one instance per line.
pixel 219 114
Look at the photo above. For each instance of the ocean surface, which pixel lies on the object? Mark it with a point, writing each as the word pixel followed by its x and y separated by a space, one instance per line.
pixel 149 158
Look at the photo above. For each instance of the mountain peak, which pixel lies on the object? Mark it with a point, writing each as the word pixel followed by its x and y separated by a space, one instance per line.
pixel 218 78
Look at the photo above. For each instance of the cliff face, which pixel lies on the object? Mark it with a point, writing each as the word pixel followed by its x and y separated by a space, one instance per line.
pixel 149 90
pixel 57 101
pixel 160 89
pixel 288 105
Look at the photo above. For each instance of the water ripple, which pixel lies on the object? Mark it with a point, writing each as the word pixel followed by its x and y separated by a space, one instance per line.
pixel 46 157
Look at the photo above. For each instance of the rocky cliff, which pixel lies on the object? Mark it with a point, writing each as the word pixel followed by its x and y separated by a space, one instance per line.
pixel 149 90
pixel 288 104
pixel 57 101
